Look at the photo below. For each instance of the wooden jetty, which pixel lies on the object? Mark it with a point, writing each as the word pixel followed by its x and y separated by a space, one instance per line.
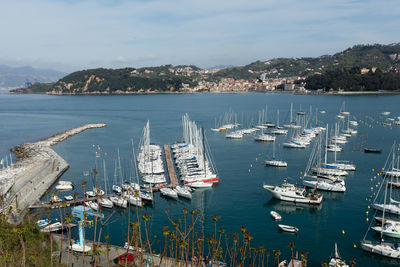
pixel 170 166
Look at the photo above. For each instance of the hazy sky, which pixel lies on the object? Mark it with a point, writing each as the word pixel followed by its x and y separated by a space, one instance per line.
pixel 75 34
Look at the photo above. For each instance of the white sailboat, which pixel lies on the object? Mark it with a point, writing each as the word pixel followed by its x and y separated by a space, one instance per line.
pixel 318 181
pixel 183 192
pixel 387 249
pixel 292 124
pixel 105 201
pixel 340 165
pixel 168 192
pixel 336 260
pixel 278 130
pixel 275 162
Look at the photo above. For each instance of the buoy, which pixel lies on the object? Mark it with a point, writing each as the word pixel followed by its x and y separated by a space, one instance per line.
pixel 366 212
pixel 367 219
pixel 373 170
pixel 354 246
pixel 251 165
pixel 368 207
pixel 343 232
pixel 249 170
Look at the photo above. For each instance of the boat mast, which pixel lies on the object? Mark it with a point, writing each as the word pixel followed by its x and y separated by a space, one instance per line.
pixel 105 177
pixel 326 146
pixel 277 115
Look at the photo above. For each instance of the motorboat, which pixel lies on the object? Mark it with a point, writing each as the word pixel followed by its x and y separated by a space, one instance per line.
pixel 275 215
pixel 288 228
pixel 43 222
pixel 346 166
pixel 90 193
pixel 372 150
pixel 325 184
pixel 265 138
pixel 69 197
pixel 276 162
pixel 65 185
pixel 391 250
pixel 329 171
pixel 55 199
pixel 291 193
pixel 235 135
pixel 389 228
pixel 200 184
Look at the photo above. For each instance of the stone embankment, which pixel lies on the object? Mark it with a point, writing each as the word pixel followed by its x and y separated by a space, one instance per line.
pixel 37 168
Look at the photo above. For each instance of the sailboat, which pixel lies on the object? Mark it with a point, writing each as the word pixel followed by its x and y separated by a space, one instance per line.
pixel 394 171
pixel 322 169
pixel 292 124
pixel 336 260
pixel 150 164
pixel 104 201
pixel 278 130
pixel 340 165
pixel 193 158
pixel 276 162
pixel 264 137
pixel 382 247
pixel 320 181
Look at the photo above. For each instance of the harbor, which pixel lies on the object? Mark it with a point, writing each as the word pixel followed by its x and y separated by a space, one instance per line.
pixel 242 172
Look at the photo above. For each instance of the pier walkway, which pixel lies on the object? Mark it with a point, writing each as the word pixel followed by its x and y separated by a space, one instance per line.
pixel 170 166
pixel 37 168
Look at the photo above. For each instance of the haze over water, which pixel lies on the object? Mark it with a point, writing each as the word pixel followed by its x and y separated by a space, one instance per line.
pixel 239 199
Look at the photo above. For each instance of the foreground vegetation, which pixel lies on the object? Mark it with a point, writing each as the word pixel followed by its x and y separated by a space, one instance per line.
pixel 23 244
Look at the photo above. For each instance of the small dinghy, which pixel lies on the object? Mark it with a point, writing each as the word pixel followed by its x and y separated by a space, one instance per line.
pixel 69 198
pixel 275 215
pixel 288 228
pixel 43 222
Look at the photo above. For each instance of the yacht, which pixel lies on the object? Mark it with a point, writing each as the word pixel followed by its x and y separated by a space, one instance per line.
pixel 291 193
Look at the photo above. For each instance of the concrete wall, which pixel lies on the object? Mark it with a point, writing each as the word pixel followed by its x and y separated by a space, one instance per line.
pixel 32 184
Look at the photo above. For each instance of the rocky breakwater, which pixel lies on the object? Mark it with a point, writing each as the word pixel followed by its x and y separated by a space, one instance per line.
pixel 37 168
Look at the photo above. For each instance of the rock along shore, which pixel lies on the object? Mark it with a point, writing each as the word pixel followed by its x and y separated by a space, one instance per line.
pixel 37 168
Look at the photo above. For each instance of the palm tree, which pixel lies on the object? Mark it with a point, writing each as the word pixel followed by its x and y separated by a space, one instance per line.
pixel 277 252
pixel 353 262
pixel 291 246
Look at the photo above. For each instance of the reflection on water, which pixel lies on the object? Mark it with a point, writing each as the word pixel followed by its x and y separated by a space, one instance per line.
pixel 291 207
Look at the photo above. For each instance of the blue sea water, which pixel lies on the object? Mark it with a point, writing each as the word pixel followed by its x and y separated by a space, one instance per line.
pixel 239 199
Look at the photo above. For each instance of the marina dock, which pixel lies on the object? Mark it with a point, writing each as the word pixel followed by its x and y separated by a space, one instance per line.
pixel 54 205
pixel 36 170
pixel 170 166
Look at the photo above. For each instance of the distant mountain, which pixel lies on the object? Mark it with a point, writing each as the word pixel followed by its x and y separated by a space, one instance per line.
pixel 22 76
pixel 383 57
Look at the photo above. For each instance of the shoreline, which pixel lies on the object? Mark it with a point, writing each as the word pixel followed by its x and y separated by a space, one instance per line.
pixel 97 93
pixel 37 168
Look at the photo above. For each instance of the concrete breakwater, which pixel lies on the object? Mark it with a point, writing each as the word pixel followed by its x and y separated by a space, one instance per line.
pixel 37 168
